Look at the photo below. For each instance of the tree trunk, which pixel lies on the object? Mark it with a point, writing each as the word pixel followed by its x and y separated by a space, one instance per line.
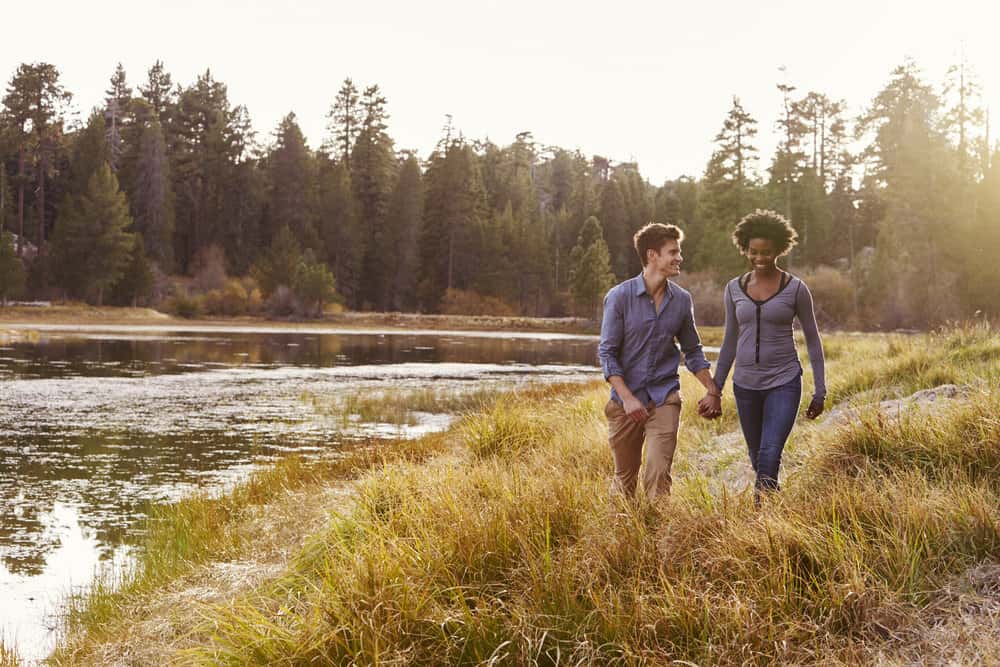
pixel 20 199
pixel 43 277
pixel 451 253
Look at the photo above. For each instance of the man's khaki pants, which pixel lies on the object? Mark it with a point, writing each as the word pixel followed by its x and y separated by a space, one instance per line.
pixel 626 437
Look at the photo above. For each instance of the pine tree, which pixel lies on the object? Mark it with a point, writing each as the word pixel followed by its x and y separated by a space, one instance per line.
pixel 730 191
pixel 34 109
pixel 136 283
pixel 909 159
pixel 152 198
pixel 342 235
pixel 91 243
pixel 373 175
pixel 210 139
pixel 964 115
pixel 159 91
pixel 292 197
pixel 279 263
pixel 590 276
pixel 344 122
pixel 405 217
pixel 314 284
pixel 615 220
pixel 454 209
pixel 117 107
pixel 88 151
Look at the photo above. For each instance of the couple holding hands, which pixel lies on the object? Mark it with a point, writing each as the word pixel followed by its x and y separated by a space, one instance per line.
pixel 648 316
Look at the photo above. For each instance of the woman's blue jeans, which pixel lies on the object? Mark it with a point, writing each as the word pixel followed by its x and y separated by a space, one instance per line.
pixel 767 417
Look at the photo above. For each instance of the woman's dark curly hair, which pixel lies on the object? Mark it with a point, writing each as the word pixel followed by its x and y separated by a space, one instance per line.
pixel 765 224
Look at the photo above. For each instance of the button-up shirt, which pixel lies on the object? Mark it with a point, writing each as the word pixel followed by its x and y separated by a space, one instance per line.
pixel 640 344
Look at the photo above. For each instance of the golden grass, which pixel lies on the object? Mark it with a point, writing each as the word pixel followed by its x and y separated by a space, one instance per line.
pixel 511 551
pixel 400 406
pixel 8 656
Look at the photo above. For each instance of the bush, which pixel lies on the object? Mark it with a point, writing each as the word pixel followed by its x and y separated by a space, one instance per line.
pixel 186 306
pixel 314 285
pixel 283 302
pixel 833 295
pixel 469 302
pixel 237 297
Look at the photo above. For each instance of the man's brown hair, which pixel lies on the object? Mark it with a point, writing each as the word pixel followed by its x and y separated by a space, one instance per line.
pixel 653 236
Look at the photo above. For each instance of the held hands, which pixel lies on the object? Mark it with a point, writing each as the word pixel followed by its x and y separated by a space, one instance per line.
pixel 710 406
pixel 815 408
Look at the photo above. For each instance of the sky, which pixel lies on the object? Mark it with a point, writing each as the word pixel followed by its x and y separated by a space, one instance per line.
pixel 649 82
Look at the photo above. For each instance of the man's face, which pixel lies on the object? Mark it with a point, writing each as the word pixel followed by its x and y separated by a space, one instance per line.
pixel 667 260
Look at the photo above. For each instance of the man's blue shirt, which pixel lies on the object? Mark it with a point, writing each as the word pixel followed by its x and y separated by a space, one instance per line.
pixel 638 343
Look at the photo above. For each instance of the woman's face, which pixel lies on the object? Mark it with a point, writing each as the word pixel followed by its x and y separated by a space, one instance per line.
pixel 762 253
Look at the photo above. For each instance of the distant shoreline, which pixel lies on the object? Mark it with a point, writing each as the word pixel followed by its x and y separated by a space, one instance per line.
pixel 65 315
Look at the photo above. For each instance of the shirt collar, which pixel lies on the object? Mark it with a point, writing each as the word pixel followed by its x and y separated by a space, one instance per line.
pixel 640 286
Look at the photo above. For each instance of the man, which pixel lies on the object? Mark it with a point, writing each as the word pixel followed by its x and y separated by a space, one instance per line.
pixel 643 317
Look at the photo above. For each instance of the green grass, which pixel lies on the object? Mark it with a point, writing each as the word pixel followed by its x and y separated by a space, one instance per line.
pixel 511 551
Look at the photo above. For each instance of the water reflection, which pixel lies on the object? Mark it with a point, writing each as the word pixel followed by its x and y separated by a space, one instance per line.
pixel 94 427
pixel 59 354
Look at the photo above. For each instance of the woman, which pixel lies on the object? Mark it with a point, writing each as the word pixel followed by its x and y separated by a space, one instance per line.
pixel 767 382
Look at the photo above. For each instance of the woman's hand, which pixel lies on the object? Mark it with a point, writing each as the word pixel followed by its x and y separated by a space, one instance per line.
pixel 815 408
pixel 710 406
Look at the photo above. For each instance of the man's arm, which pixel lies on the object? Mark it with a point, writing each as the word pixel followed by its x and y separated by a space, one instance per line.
pixel 710 405
pixel 633 407
pixel 608 351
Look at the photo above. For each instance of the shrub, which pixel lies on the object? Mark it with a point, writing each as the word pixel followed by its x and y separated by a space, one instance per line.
pixel 186 305
pixel 469 302
pixel 283 302
pixel 238 297
pixel 833 295
pixel 314 285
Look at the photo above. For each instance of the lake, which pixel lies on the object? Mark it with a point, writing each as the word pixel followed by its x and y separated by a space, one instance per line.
pixel 97 423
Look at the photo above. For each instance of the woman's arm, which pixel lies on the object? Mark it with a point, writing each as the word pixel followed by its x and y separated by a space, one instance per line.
pixel 727 353
pixel 814 344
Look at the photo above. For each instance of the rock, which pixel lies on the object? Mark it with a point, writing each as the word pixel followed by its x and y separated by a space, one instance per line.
pixel 925 400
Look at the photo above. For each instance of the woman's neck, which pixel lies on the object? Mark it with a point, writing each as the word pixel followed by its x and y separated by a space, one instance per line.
pixel 766 272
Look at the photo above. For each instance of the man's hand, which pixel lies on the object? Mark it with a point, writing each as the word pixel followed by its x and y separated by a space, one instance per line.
pixel 815 408
pixel 635 410
pixel 710 406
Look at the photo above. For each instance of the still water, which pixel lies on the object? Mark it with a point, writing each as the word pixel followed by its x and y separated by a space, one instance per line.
pixel 97 424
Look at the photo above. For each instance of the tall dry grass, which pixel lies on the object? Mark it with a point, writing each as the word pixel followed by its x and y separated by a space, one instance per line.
pixel 8 656
pixel 513 552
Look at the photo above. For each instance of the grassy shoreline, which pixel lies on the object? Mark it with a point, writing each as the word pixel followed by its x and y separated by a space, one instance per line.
pixel 76 313
pixel 496 541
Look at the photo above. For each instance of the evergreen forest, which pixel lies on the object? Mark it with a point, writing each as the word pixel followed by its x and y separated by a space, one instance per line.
pixel 166 196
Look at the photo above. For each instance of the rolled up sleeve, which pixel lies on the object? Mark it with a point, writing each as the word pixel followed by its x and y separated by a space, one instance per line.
pixel 612 332
pixel 690 342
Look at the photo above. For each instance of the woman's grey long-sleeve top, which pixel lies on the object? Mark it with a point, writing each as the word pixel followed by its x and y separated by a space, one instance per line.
pixel 758 337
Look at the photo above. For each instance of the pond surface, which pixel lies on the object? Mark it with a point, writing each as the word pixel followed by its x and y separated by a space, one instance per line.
pixel 97 424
